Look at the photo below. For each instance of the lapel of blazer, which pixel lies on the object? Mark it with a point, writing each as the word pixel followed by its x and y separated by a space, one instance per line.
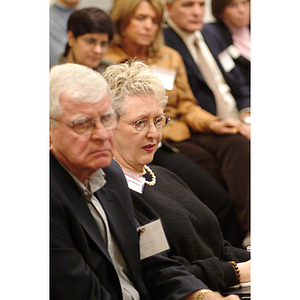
pixel 68 186
pixel 117 204
pixel 210 44
pixel 177 43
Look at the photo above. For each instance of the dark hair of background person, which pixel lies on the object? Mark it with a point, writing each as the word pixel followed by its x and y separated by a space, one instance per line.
pixel 89 20
pixel 218 6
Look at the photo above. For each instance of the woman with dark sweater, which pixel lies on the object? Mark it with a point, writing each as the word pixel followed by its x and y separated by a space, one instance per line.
pixel 192 230
pixel 231 31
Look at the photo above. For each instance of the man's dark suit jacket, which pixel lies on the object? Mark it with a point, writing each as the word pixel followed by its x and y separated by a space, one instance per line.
pixel 222 39
pixel 80 265
pixel 239 89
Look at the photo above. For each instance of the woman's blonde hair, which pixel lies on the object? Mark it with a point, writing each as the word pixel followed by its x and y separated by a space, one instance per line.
pixel 133 78
pixel 122 13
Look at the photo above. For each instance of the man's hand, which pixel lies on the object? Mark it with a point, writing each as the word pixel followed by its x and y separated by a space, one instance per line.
pixel 230 126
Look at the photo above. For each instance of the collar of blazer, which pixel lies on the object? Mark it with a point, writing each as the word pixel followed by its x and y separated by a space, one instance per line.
pixel 121 224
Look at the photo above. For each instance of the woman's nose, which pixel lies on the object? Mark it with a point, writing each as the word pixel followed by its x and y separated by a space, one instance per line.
pixel 152 131
pixel 98 49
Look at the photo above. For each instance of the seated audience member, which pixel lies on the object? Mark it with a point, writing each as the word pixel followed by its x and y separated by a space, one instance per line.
pixel 95 251
pixel 191 228
pixel 231 32
pixel 59 15
pixel 217 84
pixel 90 31
pixel 221 147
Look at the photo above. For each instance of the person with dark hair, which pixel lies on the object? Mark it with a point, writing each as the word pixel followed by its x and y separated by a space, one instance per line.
pixel 60 12
pixel 90 31
pixel 231 32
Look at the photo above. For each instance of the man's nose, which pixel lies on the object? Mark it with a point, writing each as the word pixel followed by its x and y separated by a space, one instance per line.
pixel 198 10
pixel 100 132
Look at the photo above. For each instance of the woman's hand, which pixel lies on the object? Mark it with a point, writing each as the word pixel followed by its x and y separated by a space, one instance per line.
pixel 211 296
pixel 217 296
pixel 245 271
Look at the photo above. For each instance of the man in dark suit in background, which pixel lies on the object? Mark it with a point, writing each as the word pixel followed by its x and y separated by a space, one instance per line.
pixel 95 251
pixel 217 84
pixel 185 22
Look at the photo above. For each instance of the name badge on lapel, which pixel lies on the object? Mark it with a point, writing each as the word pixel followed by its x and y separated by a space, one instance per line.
pixel 226 61
pixel 134 181
pixel 166 76
pixel 233 51
pixel 152 239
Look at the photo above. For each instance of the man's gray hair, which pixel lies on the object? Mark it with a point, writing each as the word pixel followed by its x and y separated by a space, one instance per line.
pixel 133 78
pixel 77 81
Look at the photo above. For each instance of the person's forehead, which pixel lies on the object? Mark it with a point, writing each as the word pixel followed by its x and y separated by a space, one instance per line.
pixel 74 106
pixel 96 35
pixel 70 1
pixel 141 104
pixel 145 7
pixel 186 2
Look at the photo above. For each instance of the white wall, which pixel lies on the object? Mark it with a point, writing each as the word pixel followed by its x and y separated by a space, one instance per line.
pixel 107 4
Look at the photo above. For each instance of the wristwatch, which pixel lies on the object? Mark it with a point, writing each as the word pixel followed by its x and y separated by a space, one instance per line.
pixel 202 294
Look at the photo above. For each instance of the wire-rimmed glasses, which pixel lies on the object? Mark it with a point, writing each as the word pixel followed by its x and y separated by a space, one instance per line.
pixel 86 125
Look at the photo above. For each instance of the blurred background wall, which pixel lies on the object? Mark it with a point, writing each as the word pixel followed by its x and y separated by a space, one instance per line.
pixel 107 4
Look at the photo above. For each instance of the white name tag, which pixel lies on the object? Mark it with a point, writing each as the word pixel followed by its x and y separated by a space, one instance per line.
pixel 152 239
pixel 233 51
pixel 167 77
pixel 134 182
pixel 226 61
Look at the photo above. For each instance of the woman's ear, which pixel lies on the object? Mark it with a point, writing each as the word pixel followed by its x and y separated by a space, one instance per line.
pixel 71 38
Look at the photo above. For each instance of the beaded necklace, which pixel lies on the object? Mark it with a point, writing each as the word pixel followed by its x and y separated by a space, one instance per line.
pixel 153 181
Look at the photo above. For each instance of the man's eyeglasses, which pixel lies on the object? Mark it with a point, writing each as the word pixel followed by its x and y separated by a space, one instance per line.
pixel 87 125
pixel 143 124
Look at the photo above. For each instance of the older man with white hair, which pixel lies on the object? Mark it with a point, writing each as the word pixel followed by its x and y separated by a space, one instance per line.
pixel 95 247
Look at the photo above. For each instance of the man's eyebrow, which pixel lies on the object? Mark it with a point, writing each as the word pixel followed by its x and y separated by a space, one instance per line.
pixel 109 112
pixel 81 119
pixel 88 117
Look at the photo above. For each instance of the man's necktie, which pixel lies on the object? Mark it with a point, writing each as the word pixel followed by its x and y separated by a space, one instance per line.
pixel 222 110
